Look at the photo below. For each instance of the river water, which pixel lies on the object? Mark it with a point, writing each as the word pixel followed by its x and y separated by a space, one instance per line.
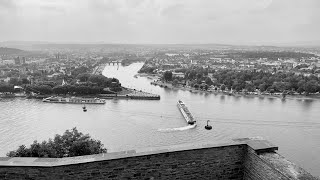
pixel 291 124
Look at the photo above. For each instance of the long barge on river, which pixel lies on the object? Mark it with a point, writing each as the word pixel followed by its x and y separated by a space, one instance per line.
pixel 186 113
pixel 74 100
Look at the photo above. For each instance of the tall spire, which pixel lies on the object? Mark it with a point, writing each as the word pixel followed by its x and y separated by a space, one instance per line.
pixel 63 82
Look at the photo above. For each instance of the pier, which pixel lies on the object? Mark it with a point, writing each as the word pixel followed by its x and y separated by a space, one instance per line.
pixel 131 94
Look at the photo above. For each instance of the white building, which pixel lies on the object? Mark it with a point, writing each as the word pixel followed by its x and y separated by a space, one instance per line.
pixel 178 74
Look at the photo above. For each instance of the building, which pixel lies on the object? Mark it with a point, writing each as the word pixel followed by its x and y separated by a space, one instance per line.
pixel 19 60
pixel 178 74
pixel 23 60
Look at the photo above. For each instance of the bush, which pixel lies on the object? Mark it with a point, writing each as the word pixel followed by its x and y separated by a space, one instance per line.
pixel 71 143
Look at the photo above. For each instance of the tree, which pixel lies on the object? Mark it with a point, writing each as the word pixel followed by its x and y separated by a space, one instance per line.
pixel 263 87
pixel 199 76
pixel 300 90
pixel 100 80
pixel 311 86
pixel 191 74
pixel 222 87
pixel 71 143
pixel 25 81
pixel 79 70
pixel 45 89
pixel 167 75
pixel 15 81
pixel 208 81
pixel 250 87
pixel 175 82
pixel 84 77
pixel 60 90
pixel 6 88
pixel 206 87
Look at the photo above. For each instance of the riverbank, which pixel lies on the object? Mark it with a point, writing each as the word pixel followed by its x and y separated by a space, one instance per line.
pixel 126 93
pixel 98 70
pixel 237 94
pixel 149 76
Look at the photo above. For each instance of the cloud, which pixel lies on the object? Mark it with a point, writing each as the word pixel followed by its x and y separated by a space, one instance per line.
pixel 7 4
pixel 160 21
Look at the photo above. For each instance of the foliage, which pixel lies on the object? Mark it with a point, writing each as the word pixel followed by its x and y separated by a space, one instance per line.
pixel 223 87
pixel 266 81
pixel 83 77
pixel 208 81
pixel 6 88
pixel 93 84
pixel 175 82
pixel 167 76
pixel 15 81
pixel 146 69
pixel 71 143
pixel 270 54
pixel 79 70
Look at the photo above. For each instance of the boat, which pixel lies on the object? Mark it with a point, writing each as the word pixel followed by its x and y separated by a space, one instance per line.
pixel 74 100
pixel 186 113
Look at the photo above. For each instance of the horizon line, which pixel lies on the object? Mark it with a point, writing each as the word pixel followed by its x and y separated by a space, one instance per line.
pixel 280 44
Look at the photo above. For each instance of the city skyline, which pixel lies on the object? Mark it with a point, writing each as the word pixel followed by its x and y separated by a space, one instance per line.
pixel 245 22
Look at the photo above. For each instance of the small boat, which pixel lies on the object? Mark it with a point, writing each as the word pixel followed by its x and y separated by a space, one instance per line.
pixel 84 108
pixel 186 113
pixel 208 127
pixel 74 100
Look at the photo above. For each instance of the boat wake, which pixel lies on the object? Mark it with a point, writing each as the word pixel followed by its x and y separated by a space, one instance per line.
pixel 178 129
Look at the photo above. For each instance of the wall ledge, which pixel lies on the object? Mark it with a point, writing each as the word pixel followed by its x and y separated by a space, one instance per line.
pixel 257 144
pixel 52 162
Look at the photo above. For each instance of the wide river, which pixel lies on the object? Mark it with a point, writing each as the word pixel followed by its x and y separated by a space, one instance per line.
pixel 291 124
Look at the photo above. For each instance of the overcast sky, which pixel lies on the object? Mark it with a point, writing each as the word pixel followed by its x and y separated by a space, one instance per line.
pixel 161 21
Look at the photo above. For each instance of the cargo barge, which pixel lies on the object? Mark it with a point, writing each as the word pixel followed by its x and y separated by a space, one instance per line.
pixel 186 113
pixel 74 100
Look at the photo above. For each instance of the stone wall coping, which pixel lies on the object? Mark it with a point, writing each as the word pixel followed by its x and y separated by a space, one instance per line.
pixel 51 162
pixel 285 167
pixel 259 145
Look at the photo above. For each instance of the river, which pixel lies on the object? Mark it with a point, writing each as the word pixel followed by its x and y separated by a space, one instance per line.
pixel 291 124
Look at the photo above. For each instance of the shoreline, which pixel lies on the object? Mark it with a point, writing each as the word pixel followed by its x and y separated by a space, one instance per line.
pixel 216 92
pixel 126 93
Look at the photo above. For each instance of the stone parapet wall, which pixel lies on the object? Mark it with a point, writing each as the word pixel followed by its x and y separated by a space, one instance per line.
pixel 269 166
pixel 234 160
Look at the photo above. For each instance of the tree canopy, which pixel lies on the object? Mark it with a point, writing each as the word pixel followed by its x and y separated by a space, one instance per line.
pixel 167 76
pixel 266 81
pixel 71 143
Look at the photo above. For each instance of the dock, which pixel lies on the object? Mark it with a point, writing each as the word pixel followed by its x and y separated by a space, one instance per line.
pixel 134 94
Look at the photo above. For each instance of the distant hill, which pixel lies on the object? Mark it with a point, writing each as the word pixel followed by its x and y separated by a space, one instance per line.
pixel 10 51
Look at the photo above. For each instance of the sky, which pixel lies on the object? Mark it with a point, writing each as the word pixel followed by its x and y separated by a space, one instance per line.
pixel 161 21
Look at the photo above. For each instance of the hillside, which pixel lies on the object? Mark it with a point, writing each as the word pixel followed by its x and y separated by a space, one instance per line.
pixel 10 51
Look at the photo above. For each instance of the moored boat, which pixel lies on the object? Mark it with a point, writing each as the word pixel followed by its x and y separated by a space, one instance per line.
pixel 186 113
pixel 74 100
